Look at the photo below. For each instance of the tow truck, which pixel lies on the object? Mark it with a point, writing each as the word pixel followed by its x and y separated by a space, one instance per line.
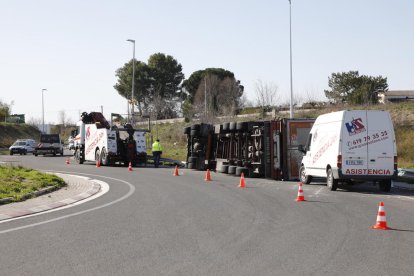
pixel 97 141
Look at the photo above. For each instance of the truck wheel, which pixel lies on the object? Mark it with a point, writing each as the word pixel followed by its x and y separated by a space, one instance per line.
pixel 224 168
pixel 195 127
pixel 104 157
pixel 385 185
pixel 226 126
pixel 232 126
pixel 305 179
pixel 232 169
pixel 240 170
pixel 331 181
pixel 78 158
pixel 194 132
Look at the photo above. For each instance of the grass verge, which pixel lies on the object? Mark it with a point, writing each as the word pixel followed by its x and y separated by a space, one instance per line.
pixel 17 182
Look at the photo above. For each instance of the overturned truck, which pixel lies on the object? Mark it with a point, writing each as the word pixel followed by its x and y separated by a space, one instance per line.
pixel 255 148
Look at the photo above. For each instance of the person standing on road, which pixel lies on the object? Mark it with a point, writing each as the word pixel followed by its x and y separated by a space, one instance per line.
pixel 156 152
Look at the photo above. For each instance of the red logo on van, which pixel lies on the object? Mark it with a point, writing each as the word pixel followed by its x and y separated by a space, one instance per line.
pixel 355 126
pixel 88 133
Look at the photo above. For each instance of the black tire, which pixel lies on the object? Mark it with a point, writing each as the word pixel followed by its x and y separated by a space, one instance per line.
pixel 97 155
pixel 226 126
pixel 104 158
pixel 78 159
pixel 241 126
pixel 192 160
pixel 232 125
pixel 232 169
pixel 35 154
pixel 240 170
pixel 195 127
pixel 385 185
pixel 331 182
pixel 194 132
pixel 305 179
pixel 191 166
pixel 25 152
pixel 61 153
pixel 187 130
pixel 224 169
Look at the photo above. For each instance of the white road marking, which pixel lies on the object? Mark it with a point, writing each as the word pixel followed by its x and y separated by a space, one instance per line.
pixel 130 192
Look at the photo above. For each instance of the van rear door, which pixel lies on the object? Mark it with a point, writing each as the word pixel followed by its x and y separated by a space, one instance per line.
pixel 354 140
pixel 381 144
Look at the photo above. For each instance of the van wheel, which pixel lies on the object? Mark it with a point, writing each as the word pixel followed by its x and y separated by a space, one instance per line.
pixel 331 181
pixel 104 157
pixel 385 185
pixel 305 179
pixel 97 155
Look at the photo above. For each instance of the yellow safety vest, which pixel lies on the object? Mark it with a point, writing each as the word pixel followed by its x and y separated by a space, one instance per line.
pixel 156 146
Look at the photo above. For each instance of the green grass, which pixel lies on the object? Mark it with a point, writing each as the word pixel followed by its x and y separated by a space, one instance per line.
pixel 172 139
pixel 17 182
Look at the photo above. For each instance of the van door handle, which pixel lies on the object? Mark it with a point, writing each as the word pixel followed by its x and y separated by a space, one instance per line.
pixel 372 160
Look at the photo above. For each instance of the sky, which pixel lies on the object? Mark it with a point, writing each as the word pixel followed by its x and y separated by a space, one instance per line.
pixel 73 48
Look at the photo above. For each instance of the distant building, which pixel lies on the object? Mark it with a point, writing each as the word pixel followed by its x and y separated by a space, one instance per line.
pixel 396 96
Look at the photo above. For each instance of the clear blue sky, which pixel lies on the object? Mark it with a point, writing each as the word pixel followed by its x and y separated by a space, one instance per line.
pixel 72 48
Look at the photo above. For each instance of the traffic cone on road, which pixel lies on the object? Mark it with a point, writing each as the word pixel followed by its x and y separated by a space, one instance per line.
pixel 130 167
pixel 242 182
pixel 381 219
pixel 207 176
pixel 176 171
pixel 300 196
pixel 67 161
pixel 98 163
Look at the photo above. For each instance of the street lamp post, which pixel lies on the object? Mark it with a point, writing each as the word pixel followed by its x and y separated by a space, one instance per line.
pixel 43 112
pixel 290 38
pixel 133 79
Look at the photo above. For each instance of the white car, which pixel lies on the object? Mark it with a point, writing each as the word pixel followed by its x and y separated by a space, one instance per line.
pixel 22 146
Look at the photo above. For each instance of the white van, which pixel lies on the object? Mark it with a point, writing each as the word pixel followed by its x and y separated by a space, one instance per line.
pixel 351 145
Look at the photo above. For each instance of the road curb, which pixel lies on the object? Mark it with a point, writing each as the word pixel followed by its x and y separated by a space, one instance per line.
pixel 94 189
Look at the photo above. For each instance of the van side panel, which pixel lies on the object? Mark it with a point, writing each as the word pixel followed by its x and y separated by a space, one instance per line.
pixel 324 144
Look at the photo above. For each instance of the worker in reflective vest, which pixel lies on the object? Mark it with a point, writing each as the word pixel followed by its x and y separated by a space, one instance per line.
pixel 156 152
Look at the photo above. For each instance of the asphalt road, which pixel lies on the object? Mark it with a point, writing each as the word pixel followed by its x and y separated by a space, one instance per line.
pixel 153 223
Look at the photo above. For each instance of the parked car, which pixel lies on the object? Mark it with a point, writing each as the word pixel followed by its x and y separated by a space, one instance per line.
pixel 49 144
pixel 22 146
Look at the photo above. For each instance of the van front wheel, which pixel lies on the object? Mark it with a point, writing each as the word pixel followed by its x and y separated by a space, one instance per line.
pixel 331 181
pixel 305 179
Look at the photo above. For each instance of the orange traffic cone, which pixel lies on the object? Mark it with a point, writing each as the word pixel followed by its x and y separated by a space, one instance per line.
pixel 207 177
pixel 242 182
pixel 176 171
pixel 98 163
pixel 130 167
pixel 300 196
pixel 67 161
pixel 381 219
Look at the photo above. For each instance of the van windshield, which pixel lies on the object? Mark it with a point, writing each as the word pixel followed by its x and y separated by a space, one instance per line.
pixel 49 138
pixel 19 143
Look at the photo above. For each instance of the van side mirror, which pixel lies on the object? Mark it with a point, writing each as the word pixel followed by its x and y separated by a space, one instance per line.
pixel 301 148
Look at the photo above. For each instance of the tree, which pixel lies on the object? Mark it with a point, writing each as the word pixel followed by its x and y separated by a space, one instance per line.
pixel 266 95
pixel 157 85
pixel 5 110
pixel 350 87
pixel 213 89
